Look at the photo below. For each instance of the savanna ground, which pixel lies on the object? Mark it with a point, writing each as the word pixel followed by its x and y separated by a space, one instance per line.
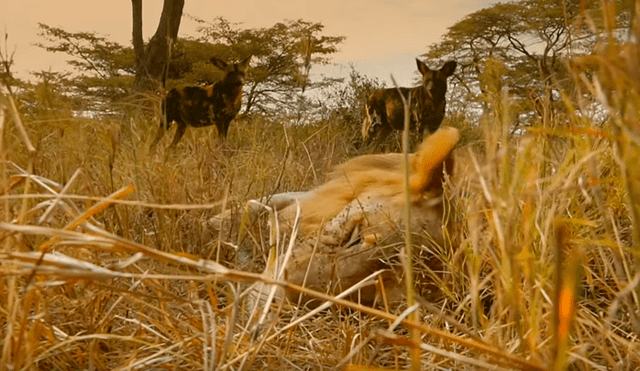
pixel 108 260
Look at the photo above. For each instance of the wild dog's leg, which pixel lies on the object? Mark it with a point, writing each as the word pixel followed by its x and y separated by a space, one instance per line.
pixel 159 136
pixel 170 112
pixel 163 126
pixel 223 128
pixel 366 126
pixel 380 133
pixel 372 127
pixel 182 127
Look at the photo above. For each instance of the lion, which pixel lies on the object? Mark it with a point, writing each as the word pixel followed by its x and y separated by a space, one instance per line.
pixel 352 225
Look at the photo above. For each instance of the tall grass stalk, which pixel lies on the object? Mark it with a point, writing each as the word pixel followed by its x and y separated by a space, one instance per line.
pixel 540 269
pixel 408 245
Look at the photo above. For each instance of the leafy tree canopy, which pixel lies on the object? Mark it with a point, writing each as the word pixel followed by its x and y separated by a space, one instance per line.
pixel 103 71
pixel 283 55
pixel 529 38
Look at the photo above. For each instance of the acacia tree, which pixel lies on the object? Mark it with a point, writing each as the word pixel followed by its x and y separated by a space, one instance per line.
pixel 152 62
pixel 103 70
pixel 529 38
pixel 283 56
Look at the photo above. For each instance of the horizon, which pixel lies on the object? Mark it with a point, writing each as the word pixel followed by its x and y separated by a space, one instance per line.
pixel 401 33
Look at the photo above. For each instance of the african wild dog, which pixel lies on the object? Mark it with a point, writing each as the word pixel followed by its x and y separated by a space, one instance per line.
pixel 385 110
pixel 197 106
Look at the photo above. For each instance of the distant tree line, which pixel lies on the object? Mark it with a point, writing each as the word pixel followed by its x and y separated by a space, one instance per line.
pixel 105 74
pixel 522 48
pixel 519 48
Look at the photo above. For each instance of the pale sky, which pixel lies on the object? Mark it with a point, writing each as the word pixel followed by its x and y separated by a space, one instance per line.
pixel 383 36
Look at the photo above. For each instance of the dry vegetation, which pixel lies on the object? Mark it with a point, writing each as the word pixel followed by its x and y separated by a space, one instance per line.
pixel 107 261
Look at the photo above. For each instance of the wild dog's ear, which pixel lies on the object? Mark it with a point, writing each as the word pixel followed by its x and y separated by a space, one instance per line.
pixel 244 63
pixel 449 68
pixel 219 63
pixel 428 163
pixel 422 67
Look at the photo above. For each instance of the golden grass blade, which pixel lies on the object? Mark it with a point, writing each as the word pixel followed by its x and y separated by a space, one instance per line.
pixel 568 267
pixel 95 209
pixel 58 197
pixel 500 356
pixel 18 121
pixel 408 246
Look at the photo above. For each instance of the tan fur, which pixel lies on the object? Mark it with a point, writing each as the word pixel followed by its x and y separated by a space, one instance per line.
pixel 351 225
pixel 380 175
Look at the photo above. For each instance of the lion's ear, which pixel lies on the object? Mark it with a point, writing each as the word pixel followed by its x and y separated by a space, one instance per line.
pixel 432 157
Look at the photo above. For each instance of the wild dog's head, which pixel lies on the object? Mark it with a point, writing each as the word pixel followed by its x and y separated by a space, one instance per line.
pixel 234 73
pixel 435 81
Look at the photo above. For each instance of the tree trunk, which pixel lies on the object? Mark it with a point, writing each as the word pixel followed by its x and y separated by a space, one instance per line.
pixel 152 62
pixel 138 43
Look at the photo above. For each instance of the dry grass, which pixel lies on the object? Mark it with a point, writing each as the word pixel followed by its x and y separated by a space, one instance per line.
pixel 107 261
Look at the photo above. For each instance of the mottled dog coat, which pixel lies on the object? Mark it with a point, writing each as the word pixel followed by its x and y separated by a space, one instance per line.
pixel 385 110
pixel 196 106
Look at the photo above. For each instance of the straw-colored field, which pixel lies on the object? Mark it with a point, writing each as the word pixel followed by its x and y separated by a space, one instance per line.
pixel 107 261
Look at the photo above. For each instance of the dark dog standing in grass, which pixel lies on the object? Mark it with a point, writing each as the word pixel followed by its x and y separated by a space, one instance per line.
pixel 385 110
pixel 204 106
